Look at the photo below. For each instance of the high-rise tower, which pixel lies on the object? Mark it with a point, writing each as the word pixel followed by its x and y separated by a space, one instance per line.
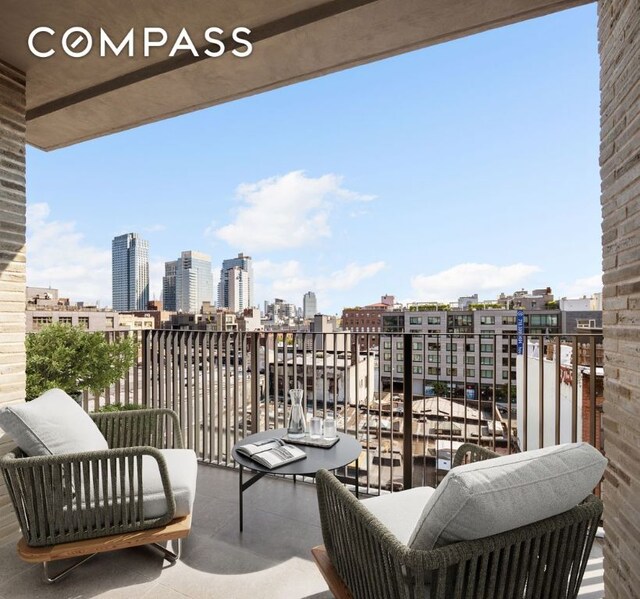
pixel 130 272
pixel 235 289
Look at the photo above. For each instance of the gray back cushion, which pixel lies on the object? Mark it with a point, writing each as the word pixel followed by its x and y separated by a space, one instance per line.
pixel 52 424
pixel 489 497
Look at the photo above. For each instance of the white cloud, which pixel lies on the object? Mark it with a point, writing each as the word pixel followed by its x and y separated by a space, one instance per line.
pixel 584 286
pixel 58 255
pixel 464 279
pixel 284 212
pixel 288 281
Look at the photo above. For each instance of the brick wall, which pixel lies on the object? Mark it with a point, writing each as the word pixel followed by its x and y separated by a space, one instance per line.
pixel 12 258
pixel 619 40
pixel 586 410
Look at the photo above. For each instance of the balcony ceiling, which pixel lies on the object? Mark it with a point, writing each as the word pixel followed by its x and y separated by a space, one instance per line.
pixel 71 100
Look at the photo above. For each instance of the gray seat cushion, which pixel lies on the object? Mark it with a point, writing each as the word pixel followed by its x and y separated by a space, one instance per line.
pixel 489 497
pixel 182 466
pixel 52 424
pixel 183 470
pixel 400 512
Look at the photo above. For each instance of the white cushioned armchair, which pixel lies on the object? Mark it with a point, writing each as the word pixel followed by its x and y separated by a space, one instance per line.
pixel 512 526
pixel 76 477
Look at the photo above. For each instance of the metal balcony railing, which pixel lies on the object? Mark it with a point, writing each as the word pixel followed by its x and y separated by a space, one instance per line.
pixel 409 398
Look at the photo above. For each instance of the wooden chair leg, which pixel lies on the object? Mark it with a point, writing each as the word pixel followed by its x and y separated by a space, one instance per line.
pixel 334 582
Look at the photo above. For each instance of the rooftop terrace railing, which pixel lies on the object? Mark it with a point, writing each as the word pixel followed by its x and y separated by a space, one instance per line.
pixel 497 390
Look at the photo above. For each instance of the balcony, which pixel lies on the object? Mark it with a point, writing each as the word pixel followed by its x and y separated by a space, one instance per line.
pixel 270 559
pixel 218 381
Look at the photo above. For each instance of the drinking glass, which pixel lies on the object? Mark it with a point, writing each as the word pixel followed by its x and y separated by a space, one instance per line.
pixel 315 427
pixel 330 427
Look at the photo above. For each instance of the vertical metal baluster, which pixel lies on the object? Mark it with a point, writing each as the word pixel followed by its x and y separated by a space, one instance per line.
pixel 541 392
pixel 557 357
pixel 574 391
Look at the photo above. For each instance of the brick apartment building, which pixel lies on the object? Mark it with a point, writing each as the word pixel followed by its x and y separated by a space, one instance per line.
pixel 367 319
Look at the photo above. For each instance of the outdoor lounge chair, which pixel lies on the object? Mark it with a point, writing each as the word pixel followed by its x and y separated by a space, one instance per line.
pixel 499 527
pixel 83 484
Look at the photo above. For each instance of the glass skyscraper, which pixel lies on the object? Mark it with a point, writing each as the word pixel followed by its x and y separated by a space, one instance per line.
pixel 194 282
pixel 130 272
pixel 235 289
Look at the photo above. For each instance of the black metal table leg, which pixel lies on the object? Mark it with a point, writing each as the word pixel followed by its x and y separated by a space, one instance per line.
pixel 241 490
pixel 243 487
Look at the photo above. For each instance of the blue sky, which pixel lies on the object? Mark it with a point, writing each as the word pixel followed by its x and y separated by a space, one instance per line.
pixel 466 167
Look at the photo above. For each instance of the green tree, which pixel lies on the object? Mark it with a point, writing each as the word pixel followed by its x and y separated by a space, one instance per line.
pixel 440 389
pixel 72 359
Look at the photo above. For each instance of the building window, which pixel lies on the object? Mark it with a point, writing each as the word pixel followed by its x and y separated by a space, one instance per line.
pixel 399 357
pixel 470 347
pixel 83 322
pixel 399 345
pixel 543 320
pixel 487 320
pixel 470 359
pixel 41 321
pixel 505 362
pixel 417 345
pixel 417 357
pixel 452 347
pixel 486 374
pixel 432 358
pixel 386 368
pixel 433 347
pixel 415 319
pixel 452 359
pixel 400 369
pixel 433 370
pixel 111 321
pixel 470 372
pixel 386 356
pixel 433 320
pixel 65 320
pixel 452 372
pixel 486 361
pixel 508 320
pixel 417 370
pixel 387 345
pixel 487 333
pixel 505 375
pixel 486 347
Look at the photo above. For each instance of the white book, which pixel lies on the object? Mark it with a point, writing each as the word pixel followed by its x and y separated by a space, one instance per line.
pixel 272 453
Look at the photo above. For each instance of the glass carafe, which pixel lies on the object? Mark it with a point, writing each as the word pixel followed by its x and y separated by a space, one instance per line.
pixel 297 427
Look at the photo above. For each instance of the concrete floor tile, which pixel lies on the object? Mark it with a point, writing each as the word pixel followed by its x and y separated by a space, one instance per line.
pixel 127 573
pixel 160 591
pixel 291 579
pixel 10 564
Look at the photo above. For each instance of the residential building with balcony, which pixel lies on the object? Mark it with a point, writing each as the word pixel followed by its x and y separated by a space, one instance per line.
pixel 58 102
pixel 470 351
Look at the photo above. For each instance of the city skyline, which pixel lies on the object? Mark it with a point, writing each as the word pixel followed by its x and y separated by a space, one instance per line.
pixel 422 193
